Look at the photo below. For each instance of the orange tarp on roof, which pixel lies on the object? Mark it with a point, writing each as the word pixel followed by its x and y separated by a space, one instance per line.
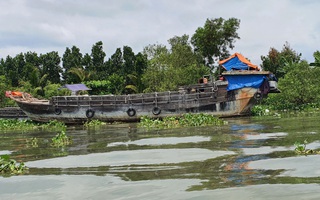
pixel 241 58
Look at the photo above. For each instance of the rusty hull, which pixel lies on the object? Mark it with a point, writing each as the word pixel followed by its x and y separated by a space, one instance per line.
pixel 211 98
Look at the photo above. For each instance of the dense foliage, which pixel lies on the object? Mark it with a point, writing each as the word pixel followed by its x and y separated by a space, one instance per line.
pixel 298 82
pixel 215 38
pixel 157 68
pixel 280 62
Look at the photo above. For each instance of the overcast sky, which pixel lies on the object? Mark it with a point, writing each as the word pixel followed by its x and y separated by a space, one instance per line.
pixel 43 26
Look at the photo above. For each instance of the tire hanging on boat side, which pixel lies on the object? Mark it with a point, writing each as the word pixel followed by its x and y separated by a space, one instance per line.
pixel 131 112
pixel 257 96
pixel 156 110
pixel 90 113
pixel 57 111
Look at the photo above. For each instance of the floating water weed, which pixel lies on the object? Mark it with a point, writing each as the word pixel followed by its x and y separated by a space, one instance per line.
pixel 24 125
pixel 93 123
pixel 33 142
pixel 54 125
pixel 301 148
pixel 185 120
pixel 61 139
pixel 10 166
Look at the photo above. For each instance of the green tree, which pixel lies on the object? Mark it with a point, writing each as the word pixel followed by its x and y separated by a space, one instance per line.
pixel 136 85
pixel 11 72
pixel 279 63
pixel 99 87
pixel 2 72
pixel 316 62
pixel 80 75
pixel 300 85
pixel 72 58
pixel 129 60
pixel 50 66
pixel 214 40
pixel 20 64
pixel 32 58
pixel 154 74
pixel 168 69
pixel 117 83
pixel 97 58
pixel 129 70
pixel 54 90
pixel 87 62
pixel 181 54
pixel 3 88
pixel 35 77
pixel 42 83
pixel 32 68
pixel 115 63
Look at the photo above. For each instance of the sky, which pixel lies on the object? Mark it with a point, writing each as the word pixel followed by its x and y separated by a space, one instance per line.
pixel 44 26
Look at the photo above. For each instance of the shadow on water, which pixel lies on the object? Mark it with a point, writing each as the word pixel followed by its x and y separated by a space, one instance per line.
pixel 246 152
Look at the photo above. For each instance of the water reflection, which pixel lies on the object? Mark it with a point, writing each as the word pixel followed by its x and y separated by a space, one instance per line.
pixel 135 157
pixel 250 158
pixel 162 141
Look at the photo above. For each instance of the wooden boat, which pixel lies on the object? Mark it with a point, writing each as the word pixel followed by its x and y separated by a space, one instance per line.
pixel 221 98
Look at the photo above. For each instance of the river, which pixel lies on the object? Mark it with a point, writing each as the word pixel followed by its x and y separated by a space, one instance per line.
pixel 249 158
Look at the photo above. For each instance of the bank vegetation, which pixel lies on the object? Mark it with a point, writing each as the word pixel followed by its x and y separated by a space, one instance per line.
pixel 160 67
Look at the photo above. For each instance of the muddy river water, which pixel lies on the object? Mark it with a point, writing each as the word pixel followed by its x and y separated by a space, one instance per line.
pixel 249 158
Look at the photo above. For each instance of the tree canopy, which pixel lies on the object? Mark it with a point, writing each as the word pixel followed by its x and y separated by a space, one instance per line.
pixel 157 68
pixel 279 62
pixel 215 39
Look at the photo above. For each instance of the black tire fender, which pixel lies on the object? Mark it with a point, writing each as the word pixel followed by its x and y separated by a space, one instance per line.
pixel 90 113
pixel 131 112
pixel 156 110
pixel 57 111
pixel 258 96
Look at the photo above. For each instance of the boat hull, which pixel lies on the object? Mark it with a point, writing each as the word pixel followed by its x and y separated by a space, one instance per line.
pixel 201 98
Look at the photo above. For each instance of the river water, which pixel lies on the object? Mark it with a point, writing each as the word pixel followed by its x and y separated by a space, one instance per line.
pixel 250 158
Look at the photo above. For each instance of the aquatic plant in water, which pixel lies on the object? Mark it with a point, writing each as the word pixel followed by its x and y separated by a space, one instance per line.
pixel 33 142
pixel 61 139
pixel 15 124
pixel 301 148
pixel 10 166
pixel 24 125
pixel 185 120
pixel 93 123
pixel 54 125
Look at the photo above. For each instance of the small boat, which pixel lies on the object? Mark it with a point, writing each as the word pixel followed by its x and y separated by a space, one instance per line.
pixel 238 90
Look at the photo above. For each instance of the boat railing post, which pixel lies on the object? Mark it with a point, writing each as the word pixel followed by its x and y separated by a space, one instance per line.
pixel 129 99
pixel 198 93
pixel 184 97
pixel 56 101
pixel 78 101
pixel 156 98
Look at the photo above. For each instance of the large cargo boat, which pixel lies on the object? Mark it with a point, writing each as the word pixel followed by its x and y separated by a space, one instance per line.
pixel 243 85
